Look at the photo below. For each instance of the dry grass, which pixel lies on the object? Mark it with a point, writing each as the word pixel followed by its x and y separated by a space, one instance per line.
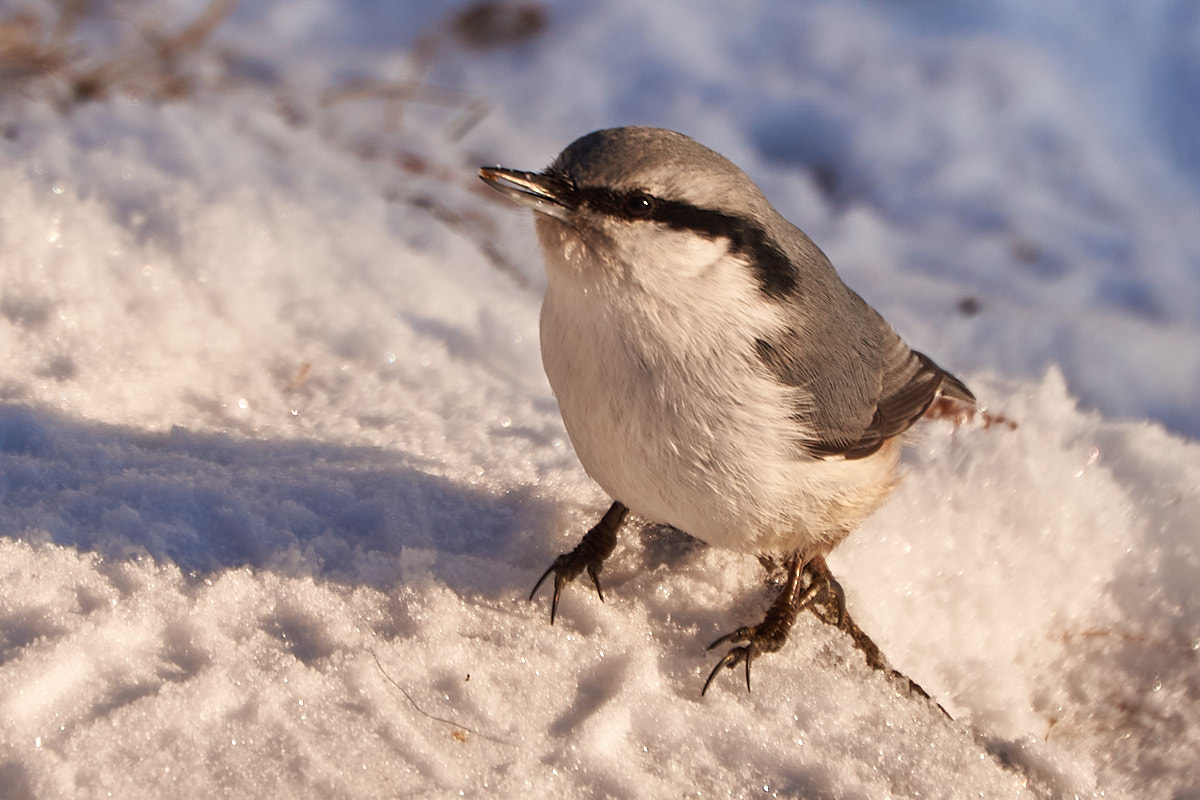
pixel 46 58
pixel 59 54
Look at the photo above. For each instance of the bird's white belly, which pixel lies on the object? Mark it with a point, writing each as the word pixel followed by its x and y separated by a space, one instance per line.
pixel 697 436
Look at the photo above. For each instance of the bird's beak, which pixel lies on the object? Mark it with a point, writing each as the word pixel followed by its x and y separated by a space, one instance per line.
pixel 547 194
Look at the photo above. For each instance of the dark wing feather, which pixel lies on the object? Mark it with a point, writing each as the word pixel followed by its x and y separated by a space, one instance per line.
pixel 859 383
pixel 905 399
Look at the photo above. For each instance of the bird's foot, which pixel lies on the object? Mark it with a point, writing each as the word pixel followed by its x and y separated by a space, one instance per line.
pixel 595 546
pixel 770 635
pixel 833 612
pixel 822 595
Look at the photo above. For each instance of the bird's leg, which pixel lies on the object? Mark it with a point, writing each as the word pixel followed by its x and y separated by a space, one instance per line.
pixel 595 546
pixel 770 634
pixel 833 605
pixel 842 620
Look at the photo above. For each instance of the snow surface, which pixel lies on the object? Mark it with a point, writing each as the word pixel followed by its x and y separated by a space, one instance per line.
pixel 278 464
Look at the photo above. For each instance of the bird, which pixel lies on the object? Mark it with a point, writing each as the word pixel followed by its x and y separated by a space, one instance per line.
pixel 713 372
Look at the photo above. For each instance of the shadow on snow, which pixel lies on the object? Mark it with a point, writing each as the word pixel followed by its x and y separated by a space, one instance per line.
pixel 208 501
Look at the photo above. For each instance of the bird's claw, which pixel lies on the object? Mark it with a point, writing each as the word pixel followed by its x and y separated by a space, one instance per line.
pixel 745 634
pixel 769 635
pixel 566 568
pixel 743 653
pixel 750 641
pixel 593 572
pixel 596 545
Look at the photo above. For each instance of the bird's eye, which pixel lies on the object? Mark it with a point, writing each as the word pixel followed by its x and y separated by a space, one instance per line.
pixel 639 205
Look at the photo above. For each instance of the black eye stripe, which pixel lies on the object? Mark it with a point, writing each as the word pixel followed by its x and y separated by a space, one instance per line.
pixel 776 274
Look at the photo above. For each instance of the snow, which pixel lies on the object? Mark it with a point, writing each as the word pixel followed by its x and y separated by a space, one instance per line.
pixel 279 466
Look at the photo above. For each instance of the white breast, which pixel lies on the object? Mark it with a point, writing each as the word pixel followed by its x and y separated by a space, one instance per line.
pixel 670 411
